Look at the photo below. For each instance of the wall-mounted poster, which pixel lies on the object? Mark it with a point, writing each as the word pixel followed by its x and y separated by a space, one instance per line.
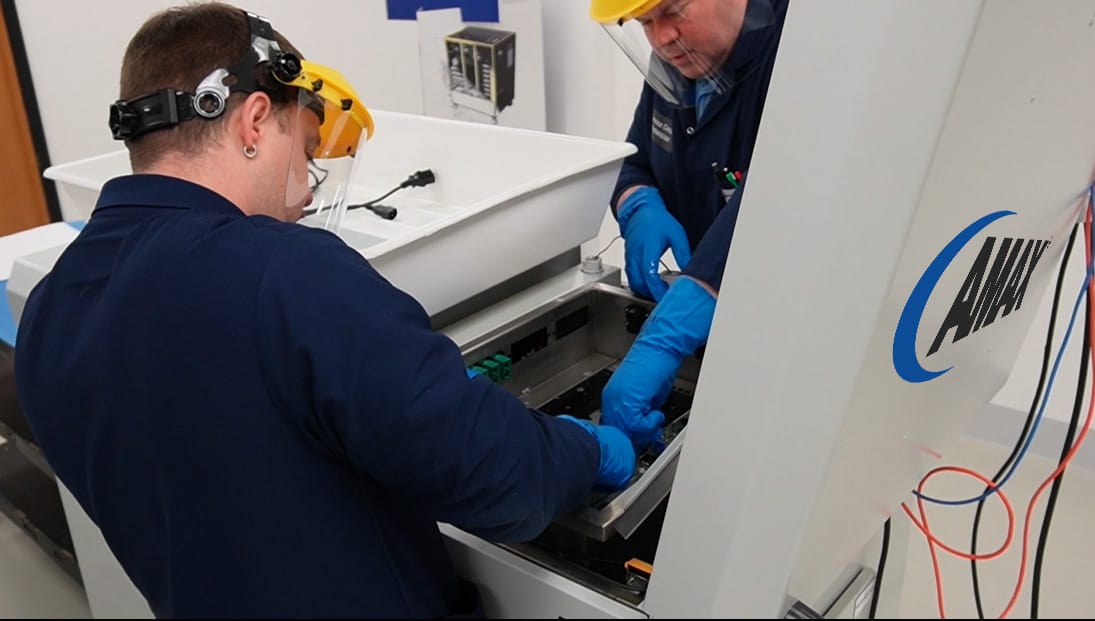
pixel 484 72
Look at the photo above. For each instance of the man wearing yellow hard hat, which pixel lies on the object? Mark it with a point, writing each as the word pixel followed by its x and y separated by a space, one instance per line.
pixel 259 423
pixel 707 65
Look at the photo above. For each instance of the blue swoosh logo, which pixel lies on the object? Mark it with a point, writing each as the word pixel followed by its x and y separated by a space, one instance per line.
pixel 905 361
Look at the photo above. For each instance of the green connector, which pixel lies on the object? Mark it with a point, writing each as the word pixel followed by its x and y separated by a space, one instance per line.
pixel 493 369
pixel 480 370
pixel 505 364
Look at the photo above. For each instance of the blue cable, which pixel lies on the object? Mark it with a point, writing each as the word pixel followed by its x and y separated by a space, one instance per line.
pixel 1045 396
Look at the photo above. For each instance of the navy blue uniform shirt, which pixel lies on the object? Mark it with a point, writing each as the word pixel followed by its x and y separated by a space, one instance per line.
pixel 263 426
pixel 676 150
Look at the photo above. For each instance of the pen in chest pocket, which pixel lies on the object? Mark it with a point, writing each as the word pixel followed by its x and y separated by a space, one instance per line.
pixel 727 179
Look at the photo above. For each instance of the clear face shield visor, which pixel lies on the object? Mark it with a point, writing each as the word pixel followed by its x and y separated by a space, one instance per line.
pixel 331 124
pixel 681 46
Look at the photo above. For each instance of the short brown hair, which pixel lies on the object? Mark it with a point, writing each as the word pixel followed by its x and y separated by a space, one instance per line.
pixel 177 48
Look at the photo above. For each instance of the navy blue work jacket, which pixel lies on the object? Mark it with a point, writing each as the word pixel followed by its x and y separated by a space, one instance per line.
pixel 263 426
pixel 676 150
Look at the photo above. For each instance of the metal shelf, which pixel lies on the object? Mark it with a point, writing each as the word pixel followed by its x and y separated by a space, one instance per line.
pixel 28 490
pixel 28 449
pixel 30 498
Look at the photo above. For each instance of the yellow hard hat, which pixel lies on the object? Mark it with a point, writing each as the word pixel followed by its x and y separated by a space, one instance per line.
pixel 611 11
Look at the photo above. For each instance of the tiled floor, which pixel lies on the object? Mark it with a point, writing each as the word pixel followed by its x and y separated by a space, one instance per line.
pixel 33 586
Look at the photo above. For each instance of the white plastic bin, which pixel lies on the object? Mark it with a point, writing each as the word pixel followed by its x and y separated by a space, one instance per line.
pixel 504 201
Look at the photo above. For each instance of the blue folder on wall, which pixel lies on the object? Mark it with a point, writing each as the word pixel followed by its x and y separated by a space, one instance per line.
pixel 471 10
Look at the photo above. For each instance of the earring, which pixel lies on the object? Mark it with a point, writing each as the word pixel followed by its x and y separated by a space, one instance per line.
pixel 250 151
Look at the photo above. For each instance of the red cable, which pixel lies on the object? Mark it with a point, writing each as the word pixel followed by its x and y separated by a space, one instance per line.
pixel 1075 445
pixel 923 523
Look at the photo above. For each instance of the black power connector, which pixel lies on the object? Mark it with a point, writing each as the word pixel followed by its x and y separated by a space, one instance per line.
pixel 420 178
pixel 384 211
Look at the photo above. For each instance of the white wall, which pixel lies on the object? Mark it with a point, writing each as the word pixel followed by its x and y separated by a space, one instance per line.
pixel 590 87
pixel 379 57
pixel 75 50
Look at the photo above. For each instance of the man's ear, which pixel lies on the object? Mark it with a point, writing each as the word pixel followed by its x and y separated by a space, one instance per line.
pixel 254 115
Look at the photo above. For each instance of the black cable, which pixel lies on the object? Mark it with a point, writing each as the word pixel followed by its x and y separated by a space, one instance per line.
pixel 881 569
pixel 377 200
pixel 316 179
pixel 1070 436
pixel 1029 422
pixel 418 179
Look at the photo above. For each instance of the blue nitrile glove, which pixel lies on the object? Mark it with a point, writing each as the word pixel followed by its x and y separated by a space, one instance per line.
pixel 678 326
pixel 648 230
pixel 617 456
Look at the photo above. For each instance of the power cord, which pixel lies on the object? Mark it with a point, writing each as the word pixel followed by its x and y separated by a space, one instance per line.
pixel 1087 290
pixel 881 569
pixel 1026 425
pixel 1070 435
pixel 420 178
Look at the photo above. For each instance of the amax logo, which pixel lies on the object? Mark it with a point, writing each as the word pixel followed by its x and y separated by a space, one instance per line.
pixel 994 287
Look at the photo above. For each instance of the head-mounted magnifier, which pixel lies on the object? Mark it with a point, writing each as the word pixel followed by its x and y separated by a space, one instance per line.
pixel 168 107
pixel 328 122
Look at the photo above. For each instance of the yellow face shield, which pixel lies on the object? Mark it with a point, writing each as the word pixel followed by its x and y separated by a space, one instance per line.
pixel 681 47
pixel 327 123
pixel 342 115
pixel 330 125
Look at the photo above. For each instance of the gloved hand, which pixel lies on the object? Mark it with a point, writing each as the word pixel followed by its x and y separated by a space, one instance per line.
pixel 617 456
pixel 648 230
pixel 678 326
